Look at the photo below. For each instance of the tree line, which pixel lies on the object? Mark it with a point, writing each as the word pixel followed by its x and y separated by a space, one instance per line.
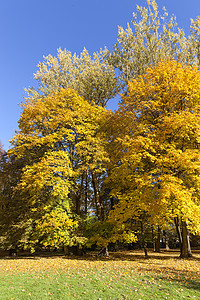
pixel 77 174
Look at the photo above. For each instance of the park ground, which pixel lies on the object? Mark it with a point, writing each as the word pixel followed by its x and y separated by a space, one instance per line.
pixel 123 275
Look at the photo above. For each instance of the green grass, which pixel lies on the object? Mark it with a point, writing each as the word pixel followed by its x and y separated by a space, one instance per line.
pixel 100 279
pixel 93 285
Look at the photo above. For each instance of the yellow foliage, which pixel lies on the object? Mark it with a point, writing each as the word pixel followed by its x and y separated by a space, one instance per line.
pixel 154 147
pixel 59 139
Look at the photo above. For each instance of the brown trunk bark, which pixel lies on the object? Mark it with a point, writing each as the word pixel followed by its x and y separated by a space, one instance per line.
pixel 186 249
pixel 184 253
pixel 179 235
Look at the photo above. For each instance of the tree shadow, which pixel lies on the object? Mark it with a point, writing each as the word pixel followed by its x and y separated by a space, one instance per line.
pixel 131 255
pixel 188 279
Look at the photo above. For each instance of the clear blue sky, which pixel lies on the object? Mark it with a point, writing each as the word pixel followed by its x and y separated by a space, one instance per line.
pixel 31 29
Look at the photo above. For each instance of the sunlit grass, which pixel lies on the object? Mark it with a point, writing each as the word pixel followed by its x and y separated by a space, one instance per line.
pixel 124 275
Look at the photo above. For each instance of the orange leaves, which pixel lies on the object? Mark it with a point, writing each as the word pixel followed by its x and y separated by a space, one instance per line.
pixel 119 263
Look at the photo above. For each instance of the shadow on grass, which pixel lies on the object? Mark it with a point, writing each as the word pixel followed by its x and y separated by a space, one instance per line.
pixel 185 278
pixel 132 255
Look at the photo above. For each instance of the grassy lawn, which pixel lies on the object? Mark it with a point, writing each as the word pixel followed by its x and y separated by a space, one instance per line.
pixel 124 275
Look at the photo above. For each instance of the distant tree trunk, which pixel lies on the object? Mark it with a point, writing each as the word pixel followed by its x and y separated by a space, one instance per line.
pixel 75 250
pixel 104 252
pixel 158 240
pixel 97 198
pixel 166 240
pixel 144 244
pixel 86 191
pixel 13 252
pixel 66 250
pixel 153 240
pixel 79 197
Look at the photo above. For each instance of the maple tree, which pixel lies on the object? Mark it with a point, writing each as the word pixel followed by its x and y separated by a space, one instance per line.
pixel 154 149
pixel 93 78
pixel 58 141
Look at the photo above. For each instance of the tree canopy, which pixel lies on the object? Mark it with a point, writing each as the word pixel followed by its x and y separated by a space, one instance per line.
pixel 154 147
pixel 93 78
pixel 57 140
pixel 151 37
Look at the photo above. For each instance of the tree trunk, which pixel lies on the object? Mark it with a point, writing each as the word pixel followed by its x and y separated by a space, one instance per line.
pixel 188 241
pixel 186 249
pixel 66 250
pixel 184 240
pixel 104 252
pixel 143 240
pixel 97 198
pixel 179 235
pixel 79 197
pixel 86 191
pixel 166 240
pixel 153 240
pixel 184 253
pixel 158 240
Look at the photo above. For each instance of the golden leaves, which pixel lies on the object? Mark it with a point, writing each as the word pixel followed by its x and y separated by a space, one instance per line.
pixel 59 139
pixel 155 160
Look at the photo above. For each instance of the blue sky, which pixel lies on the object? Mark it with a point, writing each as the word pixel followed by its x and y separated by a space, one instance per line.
pixel 32 29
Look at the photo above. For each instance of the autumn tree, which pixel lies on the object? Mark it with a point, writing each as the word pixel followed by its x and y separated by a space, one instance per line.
pixel 93 78
pixel 150 38
pixel 154 149
pixel 13 207
pixel 58 141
